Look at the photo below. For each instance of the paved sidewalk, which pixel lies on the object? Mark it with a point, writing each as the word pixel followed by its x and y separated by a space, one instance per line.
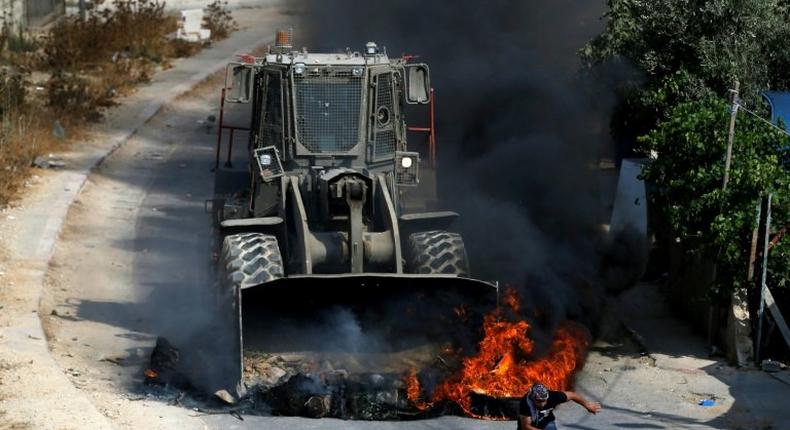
pixel 34 392
pixel 662 388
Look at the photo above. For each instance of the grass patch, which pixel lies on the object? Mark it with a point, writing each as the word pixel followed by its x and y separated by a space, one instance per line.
pixel 81 66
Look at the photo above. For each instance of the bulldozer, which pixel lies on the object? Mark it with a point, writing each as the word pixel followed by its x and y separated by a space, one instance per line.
pixel 328 209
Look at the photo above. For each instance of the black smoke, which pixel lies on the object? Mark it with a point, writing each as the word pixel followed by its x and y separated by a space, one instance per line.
pixel 521 131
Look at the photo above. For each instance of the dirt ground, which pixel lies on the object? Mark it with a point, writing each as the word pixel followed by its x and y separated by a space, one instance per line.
pixel 94 307
pixel 35 391
pixel 132 262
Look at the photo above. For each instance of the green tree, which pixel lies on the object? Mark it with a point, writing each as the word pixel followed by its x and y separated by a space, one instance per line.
pixel 685 50
pixel 685 54
pixel 688 170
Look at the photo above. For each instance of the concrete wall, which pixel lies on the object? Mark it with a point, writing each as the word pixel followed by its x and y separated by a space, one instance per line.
pixel 30 13
pixel 12 13
pixel 40 12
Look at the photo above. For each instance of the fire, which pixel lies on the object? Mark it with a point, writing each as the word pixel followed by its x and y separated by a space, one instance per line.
pixel 413 391
pixel 510 298
pixel 505 364
pixel 151 374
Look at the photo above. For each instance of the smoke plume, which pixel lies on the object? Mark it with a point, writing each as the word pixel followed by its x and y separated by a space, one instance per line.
pixel 520 131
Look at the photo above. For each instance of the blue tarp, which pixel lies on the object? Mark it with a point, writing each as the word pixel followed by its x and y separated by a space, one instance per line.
pixel 780 109
pixel 780 105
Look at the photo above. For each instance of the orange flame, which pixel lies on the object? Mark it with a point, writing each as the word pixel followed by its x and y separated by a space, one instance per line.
pixel 505 365
pixel 150 373
pixel 414 391
pixel 510 298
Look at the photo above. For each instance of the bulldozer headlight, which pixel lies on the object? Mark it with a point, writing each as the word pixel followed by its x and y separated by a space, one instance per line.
pixel 357 72
pixel 299 68
pixel 269 164
pixel 406 168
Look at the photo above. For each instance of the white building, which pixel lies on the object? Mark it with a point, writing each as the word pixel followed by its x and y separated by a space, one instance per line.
pixel 30 13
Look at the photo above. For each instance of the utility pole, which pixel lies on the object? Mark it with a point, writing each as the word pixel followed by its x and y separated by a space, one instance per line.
pixel 739 336
pixel 763 286
pixel 731 134
pixel 81 6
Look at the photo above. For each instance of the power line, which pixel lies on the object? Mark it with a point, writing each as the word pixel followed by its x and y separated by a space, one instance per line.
pixel 738 103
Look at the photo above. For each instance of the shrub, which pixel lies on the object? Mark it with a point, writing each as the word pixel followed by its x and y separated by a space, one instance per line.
pixel 218 19
pixel 687 175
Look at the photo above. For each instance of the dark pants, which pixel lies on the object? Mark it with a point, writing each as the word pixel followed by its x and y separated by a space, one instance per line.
pixel 550 426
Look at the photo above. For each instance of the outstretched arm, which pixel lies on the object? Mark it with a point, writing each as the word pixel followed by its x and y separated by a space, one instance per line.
pixel 592 407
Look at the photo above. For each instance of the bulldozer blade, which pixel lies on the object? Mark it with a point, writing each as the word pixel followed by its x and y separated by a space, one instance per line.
pixel 370 317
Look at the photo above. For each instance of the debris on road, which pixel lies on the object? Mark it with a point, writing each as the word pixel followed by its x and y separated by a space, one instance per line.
pixel 340 395
pixel 163 368
pixel 772 366
pixel 225 397
pixel 490 406
pixel 114 360
pixel 48 162
pixel 269 370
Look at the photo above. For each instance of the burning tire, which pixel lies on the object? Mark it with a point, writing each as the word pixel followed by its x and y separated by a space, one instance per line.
pixel 437 252
pixel 250 259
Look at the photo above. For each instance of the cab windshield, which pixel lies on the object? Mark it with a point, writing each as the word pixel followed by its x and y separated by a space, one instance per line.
pixel 328 109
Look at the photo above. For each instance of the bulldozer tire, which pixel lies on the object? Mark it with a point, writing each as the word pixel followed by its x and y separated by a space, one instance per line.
pixel 250 259
pixel 437 252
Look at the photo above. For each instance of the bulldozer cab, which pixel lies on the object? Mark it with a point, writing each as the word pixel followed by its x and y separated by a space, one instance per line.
pixel 332 110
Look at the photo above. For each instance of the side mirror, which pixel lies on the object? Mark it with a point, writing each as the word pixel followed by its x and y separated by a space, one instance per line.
pixel 418 84
pixel 238 83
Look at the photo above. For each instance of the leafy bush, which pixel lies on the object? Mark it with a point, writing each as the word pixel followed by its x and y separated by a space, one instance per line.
pixel 12 93
pixel 688 172
pixel 218 19
pixel 96 58
pixel 17 144
pixel 687 50
pixel 89 61
pixel 131 29
pixel 69 94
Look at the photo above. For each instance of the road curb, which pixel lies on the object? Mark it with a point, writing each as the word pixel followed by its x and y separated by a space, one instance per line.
pixel 31 230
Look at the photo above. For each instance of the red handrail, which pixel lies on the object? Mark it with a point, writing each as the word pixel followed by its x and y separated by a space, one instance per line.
pixel 431 129
pixel 222 126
